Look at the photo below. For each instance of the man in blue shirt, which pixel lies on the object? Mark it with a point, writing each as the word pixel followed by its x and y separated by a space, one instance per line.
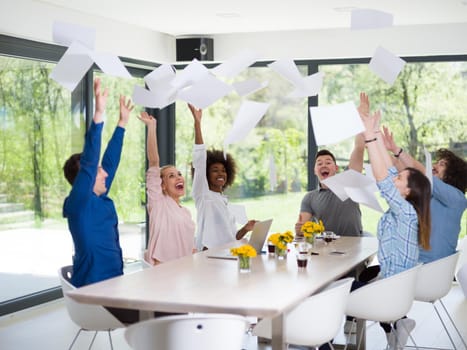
pixel 92 218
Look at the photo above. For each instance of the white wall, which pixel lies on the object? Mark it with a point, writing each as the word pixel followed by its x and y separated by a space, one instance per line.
pixel 33 20
pixel 420 40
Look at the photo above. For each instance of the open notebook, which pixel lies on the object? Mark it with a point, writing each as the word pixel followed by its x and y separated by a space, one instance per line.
pixel 257 239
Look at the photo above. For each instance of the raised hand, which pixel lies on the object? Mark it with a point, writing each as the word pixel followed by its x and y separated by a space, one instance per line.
pixel 197 113
pixel 147 119
pixel 389 142
pixel 101 100
pixel 364 107
pixel 125 109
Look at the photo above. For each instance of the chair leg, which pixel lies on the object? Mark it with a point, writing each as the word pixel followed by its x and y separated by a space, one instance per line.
pixel 92 341
pixel 347 340
pixel 452 322
pixel 74 339
pixel 110 340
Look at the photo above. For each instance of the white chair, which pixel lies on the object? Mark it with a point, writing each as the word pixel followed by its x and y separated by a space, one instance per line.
pixel 88 317
pixel 195 332
pixel 384 300
pixel 461 277
pixel 316 320
pixel 434 281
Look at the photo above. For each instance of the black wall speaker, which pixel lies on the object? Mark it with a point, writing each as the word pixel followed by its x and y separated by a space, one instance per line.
pixel 200 48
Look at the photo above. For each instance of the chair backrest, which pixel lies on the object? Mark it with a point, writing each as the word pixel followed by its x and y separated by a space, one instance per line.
pixel 462 278
pixel 196 332
pixel 386 299
pixel 434 279
pixel 316 320
pixel 86 316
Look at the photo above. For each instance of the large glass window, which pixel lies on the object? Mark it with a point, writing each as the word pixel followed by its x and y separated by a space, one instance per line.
pixel 36 132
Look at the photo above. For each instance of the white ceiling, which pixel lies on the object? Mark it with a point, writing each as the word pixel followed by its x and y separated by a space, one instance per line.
pixel 206 17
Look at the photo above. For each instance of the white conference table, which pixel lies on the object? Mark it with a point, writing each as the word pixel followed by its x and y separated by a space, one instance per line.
pixel 201 284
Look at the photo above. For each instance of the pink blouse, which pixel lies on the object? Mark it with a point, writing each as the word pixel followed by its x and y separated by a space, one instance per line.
pixel 171 228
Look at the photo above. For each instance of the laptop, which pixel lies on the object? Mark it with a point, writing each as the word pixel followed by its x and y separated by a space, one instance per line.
pixel 257 239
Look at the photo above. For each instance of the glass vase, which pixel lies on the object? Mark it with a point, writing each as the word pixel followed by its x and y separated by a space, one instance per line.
pixel 310 239
pixel 281 254
pixel 244 264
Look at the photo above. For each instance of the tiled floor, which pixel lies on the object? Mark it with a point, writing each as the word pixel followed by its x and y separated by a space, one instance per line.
pixel 49 327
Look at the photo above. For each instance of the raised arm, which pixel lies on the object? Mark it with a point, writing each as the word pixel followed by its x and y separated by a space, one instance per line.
pixel 379 157
pixel 356 157
pixel 403 159
pixel 197 114
pixel 151 146
pixel 101 101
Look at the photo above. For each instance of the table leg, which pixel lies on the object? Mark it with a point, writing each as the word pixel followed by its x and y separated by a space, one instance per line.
pixel 278 331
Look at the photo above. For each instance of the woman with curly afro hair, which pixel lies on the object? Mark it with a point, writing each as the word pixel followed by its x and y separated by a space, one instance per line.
pixel 213 173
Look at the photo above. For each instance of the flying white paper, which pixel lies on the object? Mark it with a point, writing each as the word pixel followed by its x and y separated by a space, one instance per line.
pixel 356 186
pixel 72 67
pixel 370 19
pixel 204 92
pixel 192 73
pixel 332 124
pixel 236 64
pixel 249 86
pixel 386 65
pixel 288 70
pixel 66 33
pixel 110 64
pixel 249 114
pixel 310 86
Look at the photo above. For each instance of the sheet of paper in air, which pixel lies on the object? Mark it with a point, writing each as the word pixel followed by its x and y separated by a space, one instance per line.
pixel 239 212
pixel 370 19
pixel 204 92
pixel 247 87
pixel 365 196
pixel 72 67
pixel 428 166
pixel 354 185
pixel 369 171
pixel 236 64
pixel 192 73
pixel 144 97
pixel 66 33
pixel 249 114
pixel 272 173
pixel 110 64
pixel 159 82
pixel 332 124
pixel 310 86
pixel 288 70
pixel 386 65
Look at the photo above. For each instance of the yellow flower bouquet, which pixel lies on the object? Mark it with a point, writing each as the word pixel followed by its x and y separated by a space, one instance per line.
pixel 244 253
pixel 280 240
pixel 310 229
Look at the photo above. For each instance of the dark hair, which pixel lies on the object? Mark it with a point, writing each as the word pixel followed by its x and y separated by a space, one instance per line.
pixel 325 152
pixel 217 156
pixel 456 169
pixel 419 196
pixel 71 167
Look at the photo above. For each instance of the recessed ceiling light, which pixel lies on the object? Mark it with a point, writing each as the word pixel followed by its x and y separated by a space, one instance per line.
pixel 228 15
